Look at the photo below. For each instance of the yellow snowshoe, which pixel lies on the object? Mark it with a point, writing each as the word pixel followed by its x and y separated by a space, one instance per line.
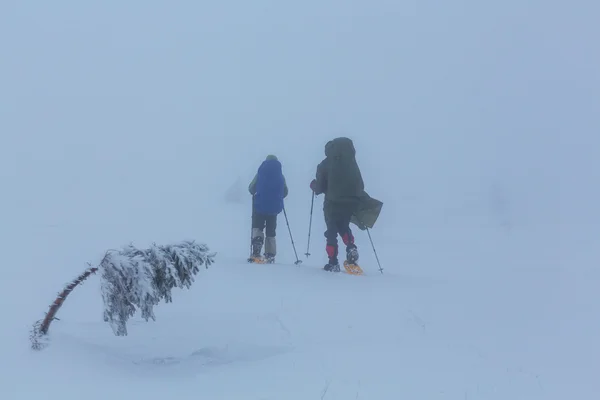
pixel 257 260
pixel 353 269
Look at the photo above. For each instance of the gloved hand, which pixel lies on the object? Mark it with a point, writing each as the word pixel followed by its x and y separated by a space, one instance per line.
pixel 313 184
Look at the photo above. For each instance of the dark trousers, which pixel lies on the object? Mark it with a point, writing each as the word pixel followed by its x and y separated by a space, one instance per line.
pixel 337 220
pixel 260 221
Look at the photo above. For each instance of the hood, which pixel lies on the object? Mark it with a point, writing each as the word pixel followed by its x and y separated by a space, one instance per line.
pixel 341 146
pixel 271 157
pixel 271 164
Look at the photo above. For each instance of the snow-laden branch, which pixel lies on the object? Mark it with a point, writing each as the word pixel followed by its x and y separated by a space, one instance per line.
pixel 139 279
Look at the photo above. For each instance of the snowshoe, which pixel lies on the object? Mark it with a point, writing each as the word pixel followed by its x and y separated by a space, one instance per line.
pixel 256 260
pixel 269 258
pixel 352 268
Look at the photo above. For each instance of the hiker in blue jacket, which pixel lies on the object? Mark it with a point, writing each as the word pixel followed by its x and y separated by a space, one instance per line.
pixel 268 189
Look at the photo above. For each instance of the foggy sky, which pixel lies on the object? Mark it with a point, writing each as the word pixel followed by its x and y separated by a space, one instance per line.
pixel 446 101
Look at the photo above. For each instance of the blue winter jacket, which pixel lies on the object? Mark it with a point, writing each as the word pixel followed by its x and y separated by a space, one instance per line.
pixel 269 188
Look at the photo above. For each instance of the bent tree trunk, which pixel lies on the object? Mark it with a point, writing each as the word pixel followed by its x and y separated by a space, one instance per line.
pixel 40 329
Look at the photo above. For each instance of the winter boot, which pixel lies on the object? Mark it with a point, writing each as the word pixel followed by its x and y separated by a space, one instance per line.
pixel 351 254
pixel 351 250
pixel 332 266
pixel 257 243
pixel 270 249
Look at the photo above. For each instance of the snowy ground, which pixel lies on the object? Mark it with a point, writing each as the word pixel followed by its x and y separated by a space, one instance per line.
pixel 476 123
pixel 468 315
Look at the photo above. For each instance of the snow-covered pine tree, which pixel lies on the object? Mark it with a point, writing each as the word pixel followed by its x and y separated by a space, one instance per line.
pixel 133 278
pixel 139 278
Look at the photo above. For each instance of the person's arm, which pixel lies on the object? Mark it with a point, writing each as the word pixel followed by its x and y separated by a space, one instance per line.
pixel 252 186
pixel 319 185
pixel 285 188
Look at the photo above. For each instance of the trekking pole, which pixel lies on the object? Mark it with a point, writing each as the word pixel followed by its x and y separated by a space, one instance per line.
pixel 375 251
pixel 298 261
pixel 312 203
pixel 251 220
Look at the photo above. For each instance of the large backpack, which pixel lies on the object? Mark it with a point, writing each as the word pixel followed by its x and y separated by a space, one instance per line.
pixel 344 180
pixel 270 186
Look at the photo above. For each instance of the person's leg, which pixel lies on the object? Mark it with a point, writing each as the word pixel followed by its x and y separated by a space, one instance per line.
pixel 331 237
pixel 343 216
pixel 258 226
pixel 270 241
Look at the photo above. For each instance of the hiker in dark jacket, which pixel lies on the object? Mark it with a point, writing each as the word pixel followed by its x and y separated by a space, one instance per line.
pixel 338 177
pixel 268 189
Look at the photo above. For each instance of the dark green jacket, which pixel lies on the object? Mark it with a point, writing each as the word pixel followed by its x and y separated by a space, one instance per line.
pixel 338 177
pixel 367 213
